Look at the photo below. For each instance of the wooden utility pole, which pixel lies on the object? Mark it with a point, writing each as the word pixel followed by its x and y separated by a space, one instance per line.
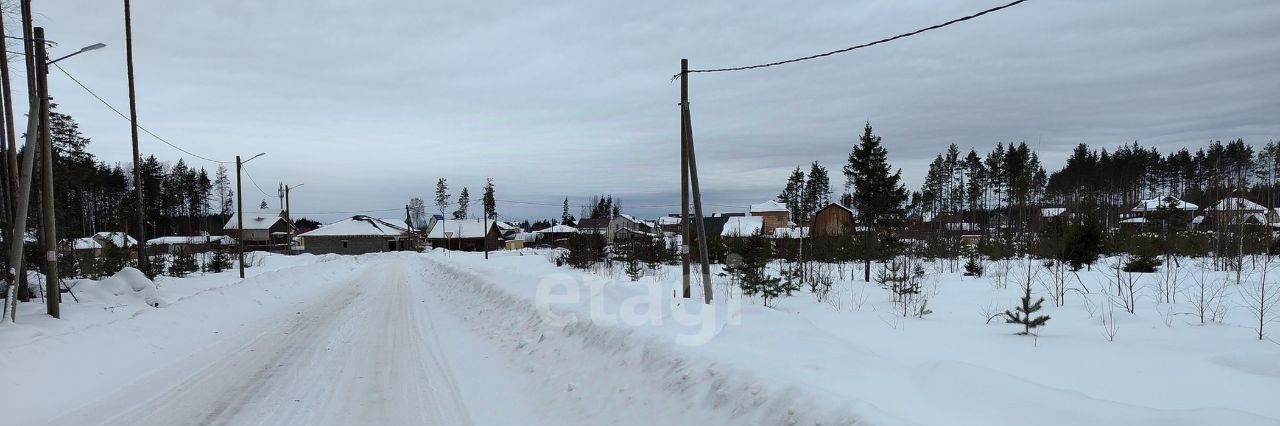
pixel 693 181
pixel 137 155
pixel 24 291
pixel 20 218
pixel 50 232
pixel 239 217
pixel 684 182
pixel 288 223
pixel 11 150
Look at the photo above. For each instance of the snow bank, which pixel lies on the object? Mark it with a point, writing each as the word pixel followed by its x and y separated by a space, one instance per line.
pixel 613 375
pixel 128 285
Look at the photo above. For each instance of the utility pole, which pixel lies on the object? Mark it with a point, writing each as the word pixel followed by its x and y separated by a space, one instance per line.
pixel 24 290
pixel 11 152
pixel 239 217
pixel 684 183
pixel 50 233
pixel 687 124
pixel 288 223
pixel 20 217
pixel 137 155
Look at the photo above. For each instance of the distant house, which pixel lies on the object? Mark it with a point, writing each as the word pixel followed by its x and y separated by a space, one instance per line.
pixel 359 235
pixel 464 235
pixel 1234 211
pixel 832 221
pixel 556 235
pixel 1146 209
pixel 593 225
pixel 794 232
pixel 624 227
pixel 263 230
pixel 119 239
pixel 670 223
pixel 743 226
pixel 774 215
pixel 86 245
pixel 191 244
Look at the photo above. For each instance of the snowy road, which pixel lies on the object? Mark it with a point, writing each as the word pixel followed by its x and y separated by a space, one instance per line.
pixel 367 352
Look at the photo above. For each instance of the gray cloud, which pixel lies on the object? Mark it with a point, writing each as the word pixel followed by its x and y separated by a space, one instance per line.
pixel 369 103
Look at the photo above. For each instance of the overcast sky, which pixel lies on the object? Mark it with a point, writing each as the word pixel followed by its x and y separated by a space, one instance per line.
pixel 369 102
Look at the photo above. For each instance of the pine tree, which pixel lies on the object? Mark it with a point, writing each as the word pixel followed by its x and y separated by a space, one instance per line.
pixel 490 204
pixel 1023 314
pixel 264 205
pixel 792 192
pixel 817 192
pixel 222 186
pixel 878 194
pixel 565 217
pixel 183 263
pixel 464 200
pixel 442 195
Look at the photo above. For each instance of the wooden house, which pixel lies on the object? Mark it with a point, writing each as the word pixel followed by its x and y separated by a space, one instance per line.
pixel 832 221
pixel 464 235
pixel 773 214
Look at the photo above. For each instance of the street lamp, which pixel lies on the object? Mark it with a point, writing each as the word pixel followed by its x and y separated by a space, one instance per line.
pixel 38 122
pixel 90 47
pixel 240 209
pixel 288 218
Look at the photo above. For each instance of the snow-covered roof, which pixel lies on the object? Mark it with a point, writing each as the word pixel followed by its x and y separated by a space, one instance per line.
pixel 458 229
pixel 360 226
pixel 742 226
pixel 86 243
pixel 117 238
pixel 1156 203
pixel 558 229
pixel 768 206
pixel 194 239
pixel 1135 220
pixel 260 220
pixel 1232 204
pixel 792 232
pixel 1052 211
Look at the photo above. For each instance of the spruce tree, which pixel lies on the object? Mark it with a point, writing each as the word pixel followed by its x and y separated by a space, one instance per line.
pixel 1023 314
pixel 490 204
pixel 464 201
pixel 878 194
pixel 183 263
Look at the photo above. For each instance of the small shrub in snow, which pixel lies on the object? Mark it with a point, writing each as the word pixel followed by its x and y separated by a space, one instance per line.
pixel 183 264
pixel 904 278
pixel 218 260
pixel 1023 314
pixel 155 266
pixel 1142 263
pixel 973 267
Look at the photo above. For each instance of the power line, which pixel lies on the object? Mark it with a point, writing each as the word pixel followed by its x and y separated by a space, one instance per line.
pixel 255 183
pixel 144 129
pixel 884 40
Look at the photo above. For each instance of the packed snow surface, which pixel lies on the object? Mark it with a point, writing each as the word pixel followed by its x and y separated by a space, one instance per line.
pixel 453 338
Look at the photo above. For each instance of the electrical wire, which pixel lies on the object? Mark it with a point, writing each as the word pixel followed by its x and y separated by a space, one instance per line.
pixel 860 46
pixel 255 183
pixel 126 117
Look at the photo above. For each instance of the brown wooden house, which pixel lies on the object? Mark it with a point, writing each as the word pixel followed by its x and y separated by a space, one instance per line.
pixel 775 216
pixel 832 221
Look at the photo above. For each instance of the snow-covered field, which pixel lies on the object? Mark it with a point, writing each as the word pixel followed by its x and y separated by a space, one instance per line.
pixel 453 338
